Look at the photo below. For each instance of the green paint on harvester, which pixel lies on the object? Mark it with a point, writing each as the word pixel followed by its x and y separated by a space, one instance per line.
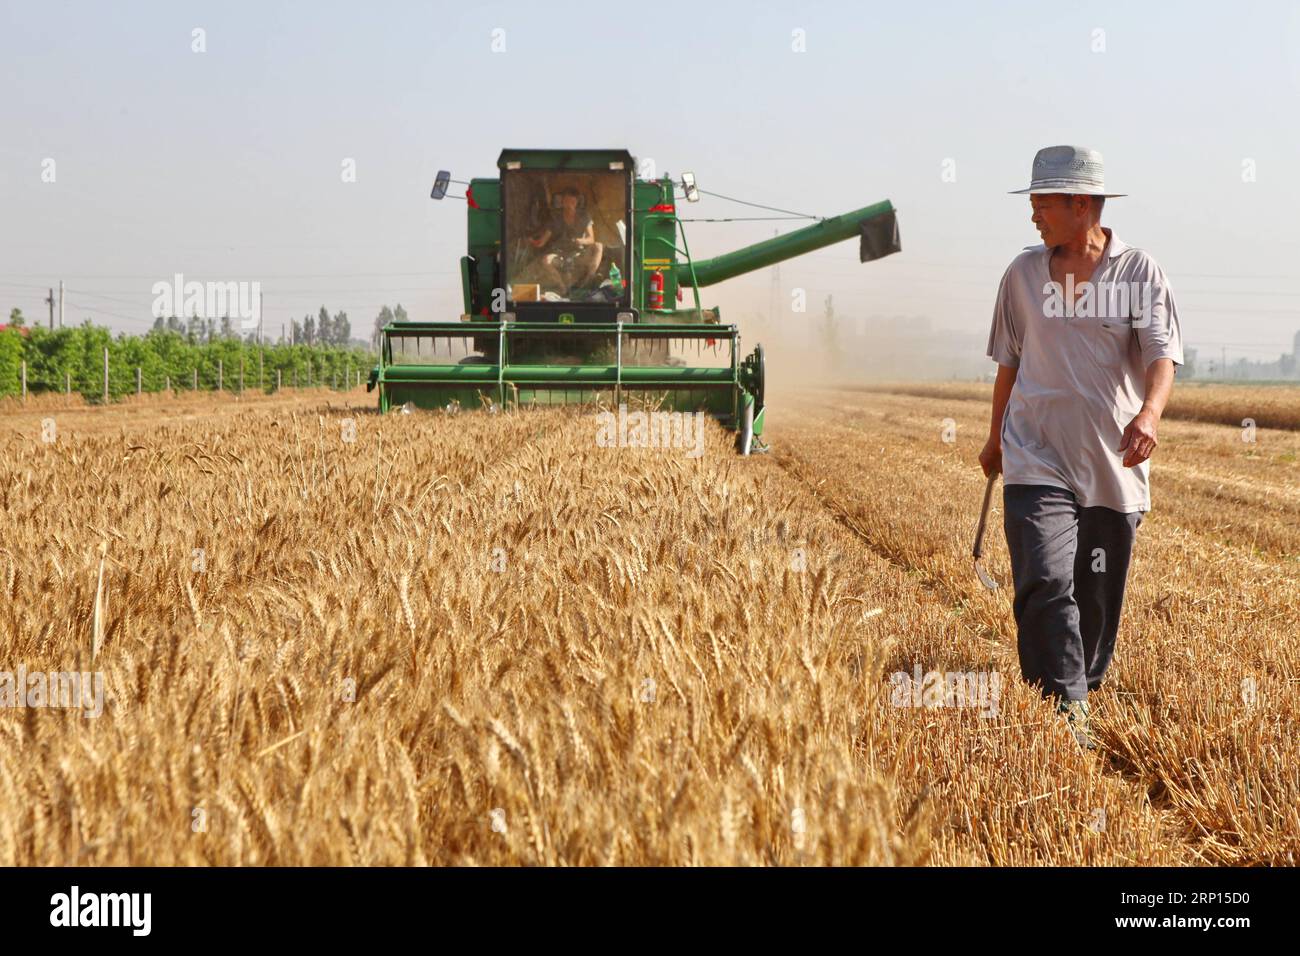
pixel 573 290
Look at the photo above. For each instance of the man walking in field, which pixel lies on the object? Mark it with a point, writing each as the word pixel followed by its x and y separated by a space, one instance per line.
pixel 1086 337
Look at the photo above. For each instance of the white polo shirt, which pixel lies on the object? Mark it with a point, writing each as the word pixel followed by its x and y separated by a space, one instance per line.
pixel 1082 377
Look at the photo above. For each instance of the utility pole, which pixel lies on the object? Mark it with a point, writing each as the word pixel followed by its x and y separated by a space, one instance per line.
pixel 1223 351
pixel 828 325
pixel 50 300
pixel 60 303
pixel 261 317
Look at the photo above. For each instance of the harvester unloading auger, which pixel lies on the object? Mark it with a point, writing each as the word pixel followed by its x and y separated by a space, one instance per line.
pixel 572 288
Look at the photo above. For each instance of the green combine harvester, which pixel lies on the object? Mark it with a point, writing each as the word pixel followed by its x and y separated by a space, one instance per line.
pixel 574 292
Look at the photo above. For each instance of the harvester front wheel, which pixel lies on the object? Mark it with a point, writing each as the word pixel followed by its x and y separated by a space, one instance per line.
pixel 745 435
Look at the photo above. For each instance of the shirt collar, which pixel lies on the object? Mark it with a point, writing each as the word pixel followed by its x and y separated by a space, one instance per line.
pixel 1115 246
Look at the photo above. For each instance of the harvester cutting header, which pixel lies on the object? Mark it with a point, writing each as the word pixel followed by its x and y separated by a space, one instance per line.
pixel 575 290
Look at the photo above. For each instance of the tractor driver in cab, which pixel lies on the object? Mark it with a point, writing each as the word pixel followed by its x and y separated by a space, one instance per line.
pixel 569 252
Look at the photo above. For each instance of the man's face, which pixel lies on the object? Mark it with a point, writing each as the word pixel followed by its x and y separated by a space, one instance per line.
pixel 1060 217
pixel 570 202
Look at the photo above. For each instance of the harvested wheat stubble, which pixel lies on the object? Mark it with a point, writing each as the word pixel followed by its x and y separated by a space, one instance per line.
pixel 1201 708
pixel 484 639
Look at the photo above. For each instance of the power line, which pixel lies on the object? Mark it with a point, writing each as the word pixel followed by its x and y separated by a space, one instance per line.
pixel 750 219
pixel 116 315
pixel 258 277
pixel 745 202
pixel 308 293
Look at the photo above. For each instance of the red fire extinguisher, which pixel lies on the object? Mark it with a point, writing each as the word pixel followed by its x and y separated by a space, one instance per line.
pixel 656 298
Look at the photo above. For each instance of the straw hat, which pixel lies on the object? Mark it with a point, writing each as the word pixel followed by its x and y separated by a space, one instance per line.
pixel 1067 169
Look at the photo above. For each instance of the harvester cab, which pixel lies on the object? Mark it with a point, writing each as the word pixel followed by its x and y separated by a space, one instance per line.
pixel 575 288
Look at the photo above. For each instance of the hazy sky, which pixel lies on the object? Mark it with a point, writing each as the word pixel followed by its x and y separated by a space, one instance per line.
pixel 226 164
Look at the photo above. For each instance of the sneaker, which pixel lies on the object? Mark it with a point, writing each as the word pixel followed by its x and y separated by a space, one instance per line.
pixel 1076 715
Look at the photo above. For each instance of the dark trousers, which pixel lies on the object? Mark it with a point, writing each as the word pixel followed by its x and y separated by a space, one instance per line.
pixel 1067 613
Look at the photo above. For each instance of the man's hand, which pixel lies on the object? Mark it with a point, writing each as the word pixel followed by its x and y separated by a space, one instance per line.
pixel 1139 438
pixel 991 456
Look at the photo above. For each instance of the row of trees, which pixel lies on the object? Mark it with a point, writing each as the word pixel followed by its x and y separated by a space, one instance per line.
pixel 321 329
pixel 385 316
pixel 75 355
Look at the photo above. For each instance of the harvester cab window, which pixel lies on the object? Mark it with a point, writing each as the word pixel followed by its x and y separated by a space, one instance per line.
pixel 565 236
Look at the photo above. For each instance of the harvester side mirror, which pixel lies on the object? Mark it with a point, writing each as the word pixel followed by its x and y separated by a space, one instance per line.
pixel 688 184
pixel 440 183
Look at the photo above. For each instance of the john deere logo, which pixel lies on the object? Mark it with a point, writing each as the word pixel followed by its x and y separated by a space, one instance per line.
pixel 566 318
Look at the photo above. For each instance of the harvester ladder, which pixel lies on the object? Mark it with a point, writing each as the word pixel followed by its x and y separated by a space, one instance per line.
pixel 684 251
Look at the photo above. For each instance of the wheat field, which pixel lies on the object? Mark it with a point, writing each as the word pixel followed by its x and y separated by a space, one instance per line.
pixel 328 637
